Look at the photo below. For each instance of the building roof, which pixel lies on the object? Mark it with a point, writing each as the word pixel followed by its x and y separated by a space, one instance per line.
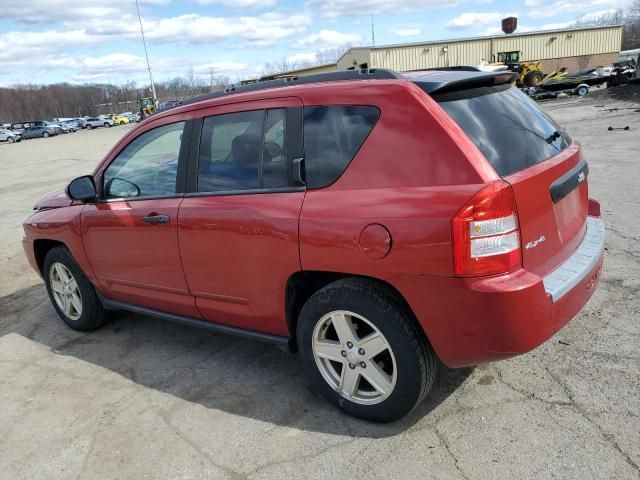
pixel 487 37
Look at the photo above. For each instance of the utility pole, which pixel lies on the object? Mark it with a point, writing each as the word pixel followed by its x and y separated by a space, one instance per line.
pixel 146 54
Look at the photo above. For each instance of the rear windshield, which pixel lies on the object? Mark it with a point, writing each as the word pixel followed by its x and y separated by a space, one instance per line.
pixel 506 126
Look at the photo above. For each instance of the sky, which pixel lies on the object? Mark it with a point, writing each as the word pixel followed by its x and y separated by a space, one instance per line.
pixel 95 41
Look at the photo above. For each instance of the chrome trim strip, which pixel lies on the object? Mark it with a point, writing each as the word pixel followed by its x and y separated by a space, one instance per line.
pixel 579 264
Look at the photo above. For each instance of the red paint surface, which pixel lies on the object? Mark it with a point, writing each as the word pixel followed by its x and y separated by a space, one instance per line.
pixel 375 241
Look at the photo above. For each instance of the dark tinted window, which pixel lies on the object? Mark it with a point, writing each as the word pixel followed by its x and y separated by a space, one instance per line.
pixel 332 137
pixel 506 125
pixel 243 151
pixel 148 166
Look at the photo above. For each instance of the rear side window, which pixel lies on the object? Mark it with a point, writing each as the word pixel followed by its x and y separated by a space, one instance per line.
pixel 506 126
pixel 332 137
pixel 243 151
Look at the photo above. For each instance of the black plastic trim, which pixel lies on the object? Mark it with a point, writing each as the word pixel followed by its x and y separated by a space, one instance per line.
pixel 295 146
pixel 181 176
pixel 253 191
pixel 278 340
pixel 191 183
pixel 139 199
pixel 438 82
pixel 564 185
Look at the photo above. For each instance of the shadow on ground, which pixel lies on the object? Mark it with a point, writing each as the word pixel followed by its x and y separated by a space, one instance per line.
pixel 217 371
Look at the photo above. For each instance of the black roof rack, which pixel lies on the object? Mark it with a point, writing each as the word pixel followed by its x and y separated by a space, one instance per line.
pixel 364 74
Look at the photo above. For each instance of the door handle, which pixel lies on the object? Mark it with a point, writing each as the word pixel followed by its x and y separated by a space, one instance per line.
pixel 156 219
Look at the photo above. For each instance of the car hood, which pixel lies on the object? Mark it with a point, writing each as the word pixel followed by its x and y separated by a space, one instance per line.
pixel 55 200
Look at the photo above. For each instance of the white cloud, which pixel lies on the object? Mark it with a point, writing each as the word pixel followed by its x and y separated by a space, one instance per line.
pixel 262 30
pixel 406 32
pixel 328 38
pixel 557 7
pixel 338 8
pixel 473 19
pixel 239 3
pixel 310 58
pixel 47 11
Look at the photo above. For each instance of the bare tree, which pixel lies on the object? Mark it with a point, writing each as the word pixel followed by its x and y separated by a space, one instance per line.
pixel 629 19
pixel 23 103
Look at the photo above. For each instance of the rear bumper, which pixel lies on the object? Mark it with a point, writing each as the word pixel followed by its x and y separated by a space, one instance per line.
pixel 470 321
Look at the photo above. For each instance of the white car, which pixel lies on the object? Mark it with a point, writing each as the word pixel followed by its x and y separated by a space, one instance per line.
pixel 95 122
pixel 9 136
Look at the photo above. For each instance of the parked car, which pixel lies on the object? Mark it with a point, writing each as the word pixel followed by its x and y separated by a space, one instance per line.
pixel 82 123
pixel 94 122
pixel 42 131
pixel 118 120
pixel 9 136
pixel 168 105
pixel 72 124
pixel 372 221
pixel 64 128
pixel 55 126
pixel 19 127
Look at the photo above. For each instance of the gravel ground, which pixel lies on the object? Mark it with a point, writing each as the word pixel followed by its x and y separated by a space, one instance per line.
pixel 141 398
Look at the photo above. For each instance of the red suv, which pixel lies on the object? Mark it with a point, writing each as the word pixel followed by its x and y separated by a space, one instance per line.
pixel 370 220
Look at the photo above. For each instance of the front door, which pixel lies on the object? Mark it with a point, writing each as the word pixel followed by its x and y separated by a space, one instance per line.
pixel 131 234
pixel 238 229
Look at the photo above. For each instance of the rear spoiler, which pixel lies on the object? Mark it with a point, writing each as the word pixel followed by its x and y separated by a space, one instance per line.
pixel 436 82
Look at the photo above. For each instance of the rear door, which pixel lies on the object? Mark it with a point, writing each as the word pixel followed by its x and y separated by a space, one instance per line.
pixel 540 161
pixel 238 223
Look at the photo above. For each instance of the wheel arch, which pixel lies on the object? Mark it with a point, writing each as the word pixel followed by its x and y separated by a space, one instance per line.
pixel 303 284
pixel 42 246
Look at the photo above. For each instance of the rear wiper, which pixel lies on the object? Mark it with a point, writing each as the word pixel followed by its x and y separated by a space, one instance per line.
pixel 553 137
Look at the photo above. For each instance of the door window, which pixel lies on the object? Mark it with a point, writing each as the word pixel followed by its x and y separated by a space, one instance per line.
pixel 243 151
pixel 148 166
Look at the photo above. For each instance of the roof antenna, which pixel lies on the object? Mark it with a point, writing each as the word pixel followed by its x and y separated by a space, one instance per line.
pixel 373 33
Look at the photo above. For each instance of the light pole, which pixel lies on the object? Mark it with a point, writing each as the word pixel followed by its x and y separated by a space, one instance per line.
pixel 146 54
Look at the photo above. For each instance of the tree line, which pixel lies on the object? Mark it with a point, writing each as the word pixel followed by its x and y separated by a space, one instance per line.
pixel 21 103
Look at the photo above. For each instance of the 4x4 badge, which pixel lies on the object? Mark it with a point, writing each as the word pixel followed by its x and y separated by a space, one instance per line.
pixel 535 243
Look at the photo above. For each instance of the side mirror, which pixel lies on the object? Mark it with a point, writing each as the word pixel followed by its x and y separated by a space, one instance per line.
pixel 82 189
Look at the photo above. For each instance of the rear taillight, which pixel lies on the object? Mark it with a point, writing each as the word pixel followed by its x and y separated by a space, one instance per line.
pixel 486 238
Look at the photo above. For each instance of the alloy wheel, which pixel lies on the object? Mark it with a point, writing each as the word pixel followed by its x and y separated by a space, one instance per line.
pixel 354 357
pixel 65 291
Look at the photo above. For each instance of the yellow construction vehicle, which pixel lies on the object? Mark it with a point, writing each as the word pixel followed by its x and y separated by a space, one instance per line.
pixel 529 73
pixel 147 107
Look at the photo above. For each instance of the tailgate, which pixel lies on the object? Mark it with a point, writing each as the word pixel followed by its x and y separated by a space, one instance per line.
pixel 552 201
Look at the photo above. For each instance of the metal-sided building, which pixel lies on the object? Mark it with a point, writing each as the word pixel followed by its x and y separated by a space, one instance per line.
pixel 575 49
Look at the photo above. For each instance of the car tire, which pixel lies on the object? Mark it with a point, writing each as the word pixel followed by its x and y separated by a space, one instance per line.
pixel 10 140
pixel 88 127
pixel 71 293
pixel 45 135
pixel 107 124
pixel 400 359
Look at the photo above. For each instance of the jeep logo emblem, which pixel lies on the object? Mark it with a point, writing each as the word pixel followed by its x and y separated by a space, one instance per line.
pixel 581 177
